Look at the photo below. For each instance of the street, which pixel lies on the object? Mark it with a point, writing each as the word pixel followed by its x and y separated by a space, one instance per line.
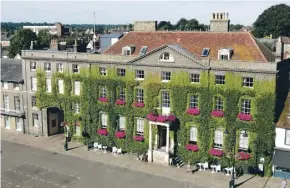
pixel 28 167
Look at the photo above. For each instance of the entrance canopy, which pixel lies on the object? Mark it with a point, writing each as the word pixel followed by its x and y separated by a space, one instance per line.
pixel 281 158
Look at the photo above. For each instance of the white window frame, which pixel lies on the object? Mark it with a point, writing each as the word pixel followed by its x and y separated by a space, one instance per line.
pixel 194 78
pixel 246 106
pixel 165 76
pixel 33 102
pixel 35 119
pixel 32 66
pixel 122 93
pixel 77 108
pixel 77 87
pixel 224 54
pixel 248 82
pixel 17 103
pixel 59 67
pixel 244 141
pixel 6 102
pixel 75 68
pixel 127 50
pixel 47 67
pixel 60 85
pixel 15 86
pixel 220 79
pixel 7 119
pixel 33 84
pixel 287 137
pixel 140 95
pixel 140 127
pixel 165 99
pixel 219 105
pixel 193 101
pixel 104 120
pixel 193 134
pixel 48 85
pixel 218 139
pixel 140 74
pixel 122 123
pixel 121 72
pixel 5 85
pixel 166 57
pixel 103 92
pixel 103 71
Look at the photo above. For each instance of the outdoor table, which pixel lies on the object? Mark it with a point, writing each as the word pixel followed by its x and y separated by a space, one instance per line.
pixel 229 170
pixel 200 165
pixel 213 167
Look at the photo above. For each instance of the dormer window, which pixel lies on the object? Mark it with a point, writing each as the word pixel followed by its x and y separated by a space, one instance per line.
pixel 127 50
pixel 205 52
pixel 166 57
pixel 143 50
pixel 225 54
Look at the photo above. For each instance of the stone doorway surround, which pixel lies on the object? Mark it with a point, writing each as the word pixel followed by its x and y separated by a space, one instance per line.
pixel 154 154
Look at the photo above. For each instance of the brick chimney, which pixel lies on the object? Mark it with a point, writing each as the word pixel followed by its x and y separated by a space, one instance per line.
pixel 220 22
pixel 54 44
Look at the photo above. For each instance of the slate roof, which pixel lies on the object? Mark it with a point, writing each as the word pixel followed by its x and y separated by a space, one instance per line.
pixel 281 158
pixel 112 35
pixel 243 43
pixel 11 70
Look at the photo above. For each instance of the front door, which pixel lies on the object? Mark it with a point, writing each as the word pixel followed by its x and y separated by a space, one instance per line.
pixel 53 123
pixel 162 137
pixel 18 124
pixel 7 122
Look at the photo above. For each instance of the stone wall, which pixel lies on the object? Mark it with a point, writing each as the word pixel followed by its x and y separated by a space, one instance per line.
pixel 145 25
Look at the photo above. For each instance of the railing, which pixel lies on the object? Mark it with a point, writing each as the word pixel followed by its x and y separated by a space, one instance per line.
pixel 11 112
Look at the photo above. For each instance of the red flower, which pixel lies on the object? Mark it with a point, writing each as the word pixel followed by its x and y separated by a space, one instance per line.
pixel 138 138
pixel 102 132
pixel 193 111
pixel 244 156
pixel 216 152
pixel 216 113
pixel 120 134
pixel 192 147
pixel 161 118
pixel 138 104
pixel 120 102
pixel 151 117
pixel 245 117
pixel 103 99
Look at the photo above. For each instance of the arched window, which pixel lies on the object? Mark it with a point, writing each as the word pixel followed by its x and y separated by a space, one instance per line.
pixel 166 57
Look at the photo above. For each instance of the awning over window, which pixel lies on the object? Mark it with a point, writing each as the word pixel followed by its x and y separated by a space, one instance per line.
pixel 281 158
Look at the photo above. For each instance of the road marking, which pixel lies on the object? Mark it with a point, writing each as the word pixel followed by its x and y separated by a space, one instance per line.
pixel 64 186
pixel 73 182
pixel 6 182
pixel 56 184
pixel 42 180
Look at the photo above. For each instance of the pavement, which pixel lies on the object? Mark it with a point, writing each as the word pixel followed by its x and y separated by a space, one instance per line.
pixel 78 156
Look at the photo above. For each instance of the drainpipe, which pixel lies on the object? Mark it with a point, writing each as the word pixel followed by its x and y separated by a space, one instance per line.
pixel 22 106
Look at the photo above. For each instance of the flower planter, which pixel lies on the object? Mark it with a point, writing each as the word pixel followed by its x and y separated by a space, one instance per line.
pixel 103 132
pixel 161 118
pixel 120 134
pixel 216 113
pixel 192 147
pixel 171 118
pixel 151 117
pixel 193 111
pixel 245 117
pixel 139 138
pixel 244 156
pixel 103 99
pixel 120 102
pixel 216 152
pixel 138 104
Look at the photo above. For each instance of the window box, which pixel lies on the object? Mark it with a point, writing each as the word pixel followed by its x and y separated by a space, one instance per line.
pixel 192 147
pixel 102 132
pixel 161 118
pixel 120 134
pixel 139 138
pixel 103 99
pixel 216 113
pixel 152 117
pixel 245 117
pixel 193 111
pixel 244 156
pixel 120 102
pixel 138 104
pixel 171 118
pixel 216 152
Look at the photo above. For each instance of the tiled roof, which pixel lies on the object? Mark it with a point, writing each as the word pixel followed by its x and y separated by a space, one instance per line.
pixel 284 121
pixel 243 43
pixel 11 70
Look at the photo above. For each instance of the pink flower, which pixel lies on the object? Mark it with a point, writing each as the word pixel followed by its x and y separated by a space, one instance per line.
pixel 192 147
pixel 216 152
pixel 245 117
pixel 193 111
pixel 103 99
pixel 151 117
pixel 138 104
pixel 171 118
pixel 138 138
pixel 244 156
pixel 216 113
pixel 102 132
pixel 120 134
pixel 161 118
pixel 120 102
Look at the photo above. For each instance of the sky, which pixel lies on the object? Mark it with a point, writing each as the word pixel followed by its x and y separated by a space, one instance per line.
pixel 125 12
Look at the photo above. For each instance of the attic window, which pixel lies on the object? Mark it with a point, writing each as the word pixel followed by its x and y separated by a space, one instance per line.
pixel 166 57
pixel 127 50
pixel 143 50
pixel 225 54
pixel 205 52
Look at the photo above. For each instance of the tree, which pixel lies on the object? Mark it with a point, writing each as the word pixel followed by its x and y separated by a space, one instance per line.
pixel 43 39
pixel 236 27
pixel 274 20
pixel 21 41
pixel 163 25
pixel 180 25
pixel 191 25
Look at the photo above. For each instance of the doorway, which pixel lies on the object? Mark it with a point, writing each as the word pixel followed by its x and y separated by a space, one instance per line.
pixel 54 119
pixel 162 131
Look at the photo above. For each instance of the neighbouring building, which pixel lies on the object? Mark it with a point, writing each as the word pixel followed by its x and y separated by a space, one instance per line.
pixel 282 48
pixel 12 110
pixel 177 96
pixel 5 40
pixel 107 40
pixel 57 29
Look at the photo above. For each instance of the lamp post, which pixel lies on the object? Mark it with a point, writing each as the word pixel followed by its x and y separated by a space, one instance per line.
pixel 232 181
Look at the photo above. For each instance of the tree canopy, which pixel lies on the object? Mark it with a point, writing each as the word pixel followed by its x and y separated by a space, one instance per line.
pixel 183 25
pixel 43 39
pixel 21 41
pixel 274 20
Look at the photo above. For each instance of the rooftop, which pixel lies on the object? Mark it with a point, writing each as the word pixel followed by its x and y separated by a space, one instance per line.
pixel 11 70
pixel 244 44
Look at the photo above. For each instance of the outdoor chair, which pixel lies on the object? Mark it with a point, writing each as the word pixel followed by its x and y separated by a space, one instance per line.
pixel 96 144
pixel 105 149
pixel 205 166
pixel 114 150
pixel 100 147
pixel 119 151
pixel 218 168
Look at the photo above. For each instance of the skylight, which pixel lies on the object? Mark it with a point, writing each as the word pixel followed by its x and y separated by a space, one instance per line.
pixel 143 50
pixel 205 52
